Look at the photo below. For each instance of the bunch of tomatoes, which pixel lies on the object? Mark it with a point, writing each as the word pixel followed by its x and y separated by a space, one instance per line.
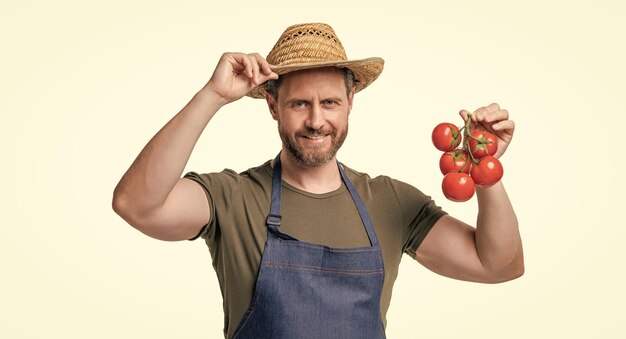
pixel 467 160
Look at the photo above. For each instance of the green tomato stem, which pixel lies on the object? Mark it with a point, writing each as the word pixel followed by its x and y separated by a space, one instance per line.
pixel 466 137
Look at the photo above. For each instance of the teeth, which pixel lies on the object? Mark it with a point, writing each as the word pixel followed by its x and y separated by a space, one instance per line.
pixel 314 137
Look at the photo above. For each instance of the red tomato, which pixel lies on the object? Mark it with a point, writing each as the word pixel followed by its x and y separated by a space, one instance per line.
pixel 458 186
pixel 454 161
pixel 446 136
pixel 487 172
pixel 482 143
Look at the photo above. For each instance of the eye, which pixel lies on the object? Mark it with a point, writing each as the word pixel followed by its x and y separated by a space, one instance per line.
pixel 330 103
pixel 298 104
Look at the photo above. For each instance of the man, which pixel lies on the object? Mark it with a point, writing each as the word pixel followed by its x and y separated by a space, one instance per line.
pixel 303 246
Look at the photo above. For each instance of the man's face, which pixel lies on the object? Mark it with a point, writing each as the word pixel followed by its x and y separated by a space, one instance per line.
pixel 312 113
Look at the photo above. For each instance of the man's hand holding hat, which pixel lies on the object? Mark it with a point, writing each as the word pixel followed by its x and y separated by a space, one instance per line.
pixel 238 73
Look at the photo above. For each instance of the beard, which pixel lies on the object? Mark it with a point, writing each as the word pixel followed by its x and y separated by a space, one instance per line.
pixel 312 156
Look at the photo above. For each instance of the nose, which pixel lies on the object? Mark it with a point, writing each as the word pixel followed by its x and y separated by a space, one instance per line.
pixel 315 119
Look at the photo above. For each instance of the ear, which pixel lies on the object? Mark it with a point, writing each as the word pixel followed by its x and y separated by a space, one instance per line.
pixel 271 104
pixel 351 99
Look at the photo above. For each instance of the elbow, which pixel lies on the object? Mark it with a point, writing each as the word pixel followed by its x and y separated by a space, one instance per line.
pixel 118 197
pixel 513 271
pixel 517 265
pixel 520 269
pixel 119 203
pixel 123 207
pixel 143 220
pixel 516 273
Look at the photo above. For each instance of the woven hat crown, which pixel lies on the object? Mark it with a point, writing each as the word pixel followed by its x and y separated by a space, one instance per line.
pixel 307 43
pixel 313 45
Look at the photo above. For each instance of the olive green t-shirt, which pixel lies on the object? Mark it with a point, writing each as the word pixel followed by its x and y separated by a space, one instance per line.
pixel 239 203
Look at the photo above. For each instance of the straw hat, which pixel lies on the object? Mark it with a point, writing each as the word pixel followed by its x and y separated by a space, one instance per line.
pixel 313 45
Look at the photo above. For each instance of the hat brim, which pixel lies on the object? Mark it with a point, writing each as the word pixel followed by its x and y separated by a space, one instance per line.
pixel 365 72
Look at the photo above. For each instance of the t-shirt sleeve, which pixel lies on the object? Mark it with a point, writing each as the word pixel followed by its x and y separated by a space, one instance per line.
pixel 216 186
pixel 419 214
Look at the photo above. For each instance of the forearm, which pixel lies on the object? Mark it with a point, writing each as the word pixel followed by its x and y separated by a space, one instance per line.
pixel 155 171
pixel 497 237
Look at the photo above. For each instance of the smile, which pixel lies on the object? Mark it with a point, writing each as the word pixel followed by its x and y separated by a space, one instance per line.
pixel 314 137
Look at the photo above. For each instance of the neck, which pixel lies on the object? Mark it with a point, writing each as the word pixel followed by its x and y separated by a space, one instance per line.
pixel 318 180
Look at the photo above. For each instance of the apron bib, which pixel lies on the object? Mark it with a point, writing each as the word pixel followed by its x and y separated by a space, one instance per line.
pixel 306 290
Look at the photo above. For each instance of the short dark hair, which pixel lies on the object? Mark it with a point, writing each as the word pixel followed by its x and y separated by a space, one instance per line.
pixel 272 86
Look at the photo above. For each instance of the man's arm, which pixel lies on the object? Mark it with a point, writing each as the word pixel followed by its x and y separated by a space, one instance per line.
pixel 151 196
pixel 491 252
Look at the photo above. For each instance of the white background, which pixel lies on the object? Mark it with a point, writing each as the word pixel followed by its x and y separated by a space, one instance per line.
pixel 83 87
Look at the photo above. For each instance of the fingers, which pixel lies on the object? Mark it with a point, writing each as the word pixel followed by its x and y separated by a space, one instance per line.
pixel 265 66
pixel 237 73
pixel 505 125
pixel 464 114
pixel 254 67
pixel 490 114
pixel 492 118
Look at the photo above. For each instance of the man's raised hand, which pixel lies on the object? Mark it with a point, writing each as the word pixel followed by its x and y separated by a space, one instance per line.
pixel 238 73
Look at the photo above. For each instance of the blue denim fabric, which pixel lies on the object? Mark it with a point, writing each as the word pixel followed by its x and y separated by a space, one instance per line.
pixel 307 290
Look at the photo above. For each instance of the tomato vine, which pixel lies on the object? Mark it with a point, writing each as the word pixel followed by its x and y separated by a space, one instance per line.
pixel 479 145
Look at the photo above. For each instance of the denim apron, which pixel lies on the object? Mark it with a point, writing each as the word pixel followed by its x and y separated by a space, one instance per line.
pixel 305 290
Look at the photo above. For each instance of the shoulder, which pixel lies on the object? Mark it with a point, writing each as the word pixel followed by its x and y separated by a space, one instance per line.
pixel 375 189
pixel 362 177
pixel 259 175
pixel 383 186
pixel 378 182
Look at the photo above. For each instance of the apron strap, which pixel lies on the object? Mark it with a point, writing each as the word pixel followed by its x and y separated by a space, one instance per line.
pixel 274 217
pixel 360 205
